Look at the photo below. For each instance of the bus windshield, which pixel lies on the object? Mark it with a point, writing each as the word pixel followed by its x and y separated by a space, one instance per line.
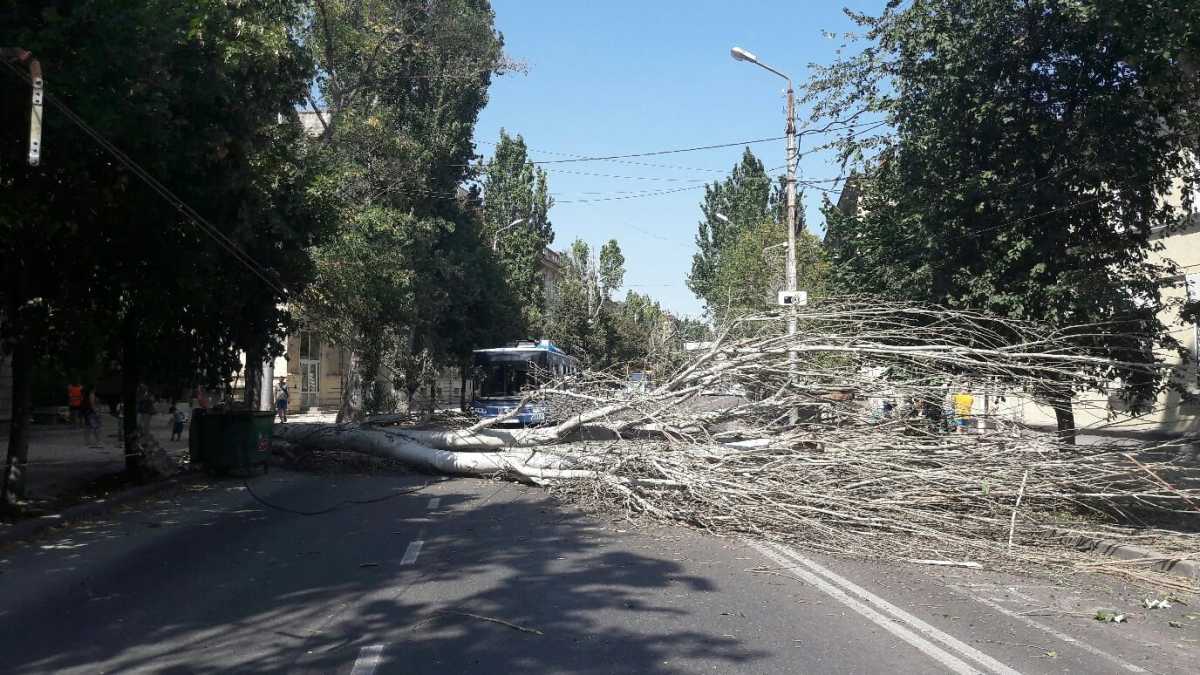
pixel 506 374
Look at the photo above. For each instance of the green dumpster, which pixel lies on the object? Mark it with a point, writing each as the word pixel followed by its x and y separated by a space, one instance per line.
pixel 225 441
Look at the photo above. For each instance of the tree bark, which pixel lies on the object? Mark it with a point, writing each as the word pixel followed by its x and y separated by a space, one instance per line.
pixel 1064 414
pixel 253 380
pixel 532 467
pixel 351 408
pixel 432 406
pixel 22 408
pixel 462 388
pixel 130 378
pixel 22 388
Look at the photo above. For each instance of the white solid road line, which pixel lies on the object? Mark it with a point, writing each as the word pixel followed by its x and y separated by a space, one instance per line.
pixel 368 660
pixel 411 553
pixel 889 624
pixel 1056 633
pixel 434 502
pixel 924 628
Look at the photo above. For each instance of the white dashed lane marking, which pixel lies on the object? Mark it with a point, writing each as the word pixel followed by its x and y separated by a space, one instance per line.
pixel 434 502
pixel 411 553
pixel 368 660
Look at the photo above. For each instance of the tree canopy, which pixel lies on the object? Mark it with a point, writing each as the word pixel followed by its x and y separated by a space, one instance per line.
pixel 406 283
pixel 516 191
pixel 1031 147
pixel 192 94
pixel 740 259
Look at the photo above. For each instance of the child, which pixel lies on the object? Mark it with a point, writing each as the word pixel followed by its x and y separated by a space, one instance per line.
pixel 178 418
pixel 281 400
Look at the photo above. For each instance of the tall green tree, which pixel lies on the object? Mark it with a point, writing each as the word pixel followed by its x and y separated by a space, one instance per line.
pixel 193 93
pixel 752 269
pixel 516 190
pixel 739 263
pixel 1032 145
pixel 582 317
pixel 402 83
pixel 742 201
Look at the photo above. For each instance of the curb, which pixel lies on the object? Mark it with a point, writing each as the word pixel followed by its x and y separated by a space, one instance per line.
pixel 1105 547
pixel 26 529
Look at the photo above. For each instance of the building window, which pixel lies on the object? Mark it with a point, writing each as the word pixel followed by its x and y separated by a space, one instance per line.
pixel 310 369
pixel 310 345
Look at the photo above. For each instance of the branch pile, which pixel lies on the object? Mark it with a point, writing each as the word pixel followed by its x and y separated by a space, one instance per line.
pixel 868 468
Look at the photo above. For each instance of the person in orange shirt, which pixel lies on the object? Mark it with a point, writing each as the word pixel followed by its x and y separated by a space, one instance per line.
pixel 75 400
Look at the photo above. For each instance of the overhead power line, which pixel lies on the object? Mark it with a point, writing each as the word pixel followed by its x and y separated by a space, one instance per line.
pixel 656 153
pixel 187 211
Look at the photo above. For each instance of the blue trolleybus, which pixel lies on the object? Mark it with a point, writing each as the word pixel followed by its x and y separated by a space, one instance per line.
pixel 503 375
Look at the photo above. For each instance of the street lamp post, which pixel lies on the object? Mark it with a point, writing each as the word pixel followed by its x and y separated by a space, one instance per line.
pixel 740 54
pixel 496 237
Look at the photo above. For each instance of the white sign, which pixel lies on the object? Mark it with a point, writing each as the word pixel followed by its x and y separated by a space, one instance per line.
pixel 798 298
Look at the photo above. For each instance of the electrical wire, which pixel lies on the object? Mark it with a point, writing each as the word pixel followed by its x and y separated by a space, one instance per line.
pixel 345 502
pixel 656 153
pixel 188 212
pixel 647 178
pixel 636 195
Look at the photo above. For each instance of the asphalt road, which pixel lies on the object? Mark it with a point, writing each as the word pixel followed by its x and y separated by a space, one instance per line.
pixel 471 576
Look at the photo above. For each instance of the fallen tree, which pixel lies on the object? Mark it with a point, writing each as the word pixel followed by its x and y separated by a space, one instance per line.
pixel 850 475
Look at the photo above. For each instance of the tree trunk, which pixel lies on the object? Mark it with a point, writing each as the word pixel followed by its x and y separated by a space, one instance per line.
pixel 351 408
pixel 130 378
pixel 1064 414
pixel 384 392
pixel 253 376
pixel 22 408
pixel 462 388
pixel 532 467
pixel 22 388
pixel 432 407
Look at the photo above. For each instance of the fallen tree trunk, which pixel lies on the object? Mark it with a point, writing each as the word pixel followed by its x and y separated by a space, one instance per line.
pixel 527 466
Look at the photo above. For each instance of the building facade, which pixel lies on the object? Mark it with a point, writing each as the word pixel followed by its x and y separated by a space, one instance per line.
pixel 1177 410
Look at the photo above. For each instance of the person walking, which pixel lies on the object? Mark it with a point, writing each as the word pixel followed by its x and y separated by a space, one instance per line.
pixel 963 403
pixel 75 401
pixel 281 400
pixel 90 417
pixel 145 410
pixel 178 419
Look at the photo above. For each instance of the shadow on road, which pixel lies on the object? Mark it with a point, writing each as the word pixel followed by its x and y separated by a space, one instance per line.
pixel 214 582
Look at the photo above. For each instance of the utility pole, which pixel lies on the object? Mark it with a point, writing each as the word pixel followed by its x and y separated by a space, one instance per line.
pixel 8 54
pixel 793 414
pixel 740 54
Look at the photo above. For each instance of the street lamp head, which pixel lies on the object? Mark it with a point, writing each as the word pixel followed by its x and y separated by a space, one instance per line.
pixel 740 54
pixel 518 221
pixel 722 217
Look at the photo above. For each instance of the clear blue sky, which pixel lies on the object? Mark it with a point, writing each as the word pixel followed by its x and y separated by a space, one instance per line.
pixel 628 76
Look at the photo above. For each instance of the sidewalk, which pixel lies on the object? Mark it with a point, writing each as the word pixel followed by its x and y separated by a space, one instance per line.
pixel 61 464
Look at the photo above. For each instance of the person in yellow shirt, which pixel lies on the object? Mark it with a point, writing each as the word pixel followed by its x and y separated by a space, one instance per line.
pixel 963 401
